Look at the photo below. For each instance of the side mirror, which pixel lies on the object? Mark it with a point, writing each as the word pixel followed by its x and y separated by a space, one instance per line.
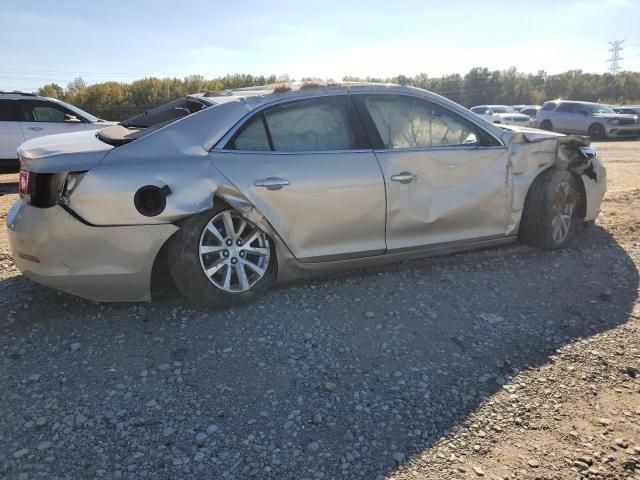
pixel 68 118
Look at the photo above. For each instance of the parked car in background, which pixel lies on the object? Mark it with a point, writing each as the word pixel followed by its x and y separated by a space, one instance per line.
pixel 586 118
pixel 235 191
pixel 501 114
pixel 24 116
pixel 627 109
pixel 530 110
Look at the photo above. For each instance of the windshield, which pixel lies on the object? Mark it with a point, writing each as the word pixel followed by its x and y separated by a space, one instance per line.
pixel 500 109
pixel 80 112
pixel 599 109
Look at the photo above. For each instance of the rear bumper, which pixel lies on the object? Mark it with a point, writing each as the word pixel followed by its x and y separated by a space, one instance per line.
pixel 108 264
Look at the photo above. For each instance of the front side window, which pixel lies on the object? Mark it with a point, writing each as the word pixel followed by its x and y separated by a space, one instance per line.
pixel 408 122
pixel 43 112
pixel 10 111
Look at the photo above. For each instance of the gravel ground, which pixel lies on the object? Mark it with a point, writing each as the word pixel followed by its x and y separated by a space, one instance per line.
pixel 506 363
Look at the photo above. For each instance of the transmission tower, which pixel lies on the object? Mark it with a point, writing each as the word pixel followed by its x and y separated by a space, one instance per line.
pixel 616 48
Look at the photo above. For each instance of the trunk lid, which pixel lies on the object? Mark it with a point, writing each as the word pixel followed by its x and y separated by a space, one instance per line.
pixel 66 152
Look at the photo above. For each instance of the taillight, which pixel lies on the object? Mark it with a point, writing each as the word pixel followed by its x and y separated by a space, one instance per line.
pixel 25 183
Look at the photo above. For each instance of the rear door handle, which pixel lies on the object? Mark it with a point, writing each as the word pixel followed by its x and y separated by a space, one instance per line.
pixel 271 183
pixel 404 177
pixel 35 129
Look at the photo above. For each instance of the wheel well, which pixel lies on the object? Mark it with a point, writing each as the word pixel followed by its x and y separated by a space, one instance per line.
pixel 581 210
pixel 162 284
pixel 595 124
pixel 582 202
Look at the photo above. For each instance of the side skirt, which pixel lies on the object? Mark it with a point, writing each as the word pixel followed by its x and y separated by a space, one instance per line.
pixel 290 268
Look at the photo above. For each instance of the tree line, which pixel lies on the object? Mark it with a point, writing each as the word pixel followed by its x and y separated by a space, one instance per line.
pixel 117 100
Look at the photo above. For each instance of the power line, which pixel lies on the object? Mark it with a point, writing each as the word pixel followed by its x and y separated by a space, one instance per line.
pixel 616 48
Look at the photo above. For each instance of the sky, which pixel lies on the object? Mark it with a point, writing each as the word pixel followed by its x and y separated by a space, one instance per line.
pixel 44 41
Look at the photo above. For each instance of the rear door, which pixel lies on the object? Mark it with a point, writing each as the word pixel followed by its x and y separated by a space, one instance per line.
pixel 10 129
pixel 446 178
pixel 307 166
pixel 564 118
pixel 47 118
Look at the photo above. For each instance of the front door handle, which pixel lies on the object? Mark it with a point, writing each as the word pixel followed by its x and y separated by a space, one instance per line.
pixel 35 129
pixel 271 183
pixel 404 177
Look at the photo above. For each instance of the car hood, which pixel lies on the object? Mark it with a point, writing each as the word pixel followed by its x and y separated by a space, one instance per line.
pixel 63 152
pixel 530 134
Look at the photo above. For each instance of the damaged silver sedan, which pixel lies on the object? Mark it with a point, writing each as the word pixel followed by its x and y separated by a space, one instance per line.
pixel 237 190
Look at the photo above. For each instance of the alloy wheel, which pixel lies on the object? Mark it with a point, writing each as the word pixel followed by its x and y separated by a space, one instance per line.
pixel 234 253
pixel 564 204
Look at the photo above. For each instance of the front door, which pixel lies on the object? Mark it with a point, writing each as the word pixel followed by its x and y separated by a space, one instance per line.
pixel 446 179
pixel 307 167
pixel 46 118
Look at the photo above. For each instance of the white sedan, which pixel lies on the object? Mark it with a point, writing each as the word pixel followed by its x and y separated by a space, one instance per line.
pixel 501 114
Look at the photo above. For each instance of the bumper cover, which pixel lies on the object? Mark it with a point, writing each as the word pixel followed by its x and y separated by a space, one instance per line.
pixel 108 264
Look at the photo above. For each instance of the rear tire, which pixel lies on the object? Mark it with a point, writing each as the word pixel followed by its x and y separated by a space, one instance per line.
pixel 238 256
pixel 549 218
pixel 596 132
pixel 546 125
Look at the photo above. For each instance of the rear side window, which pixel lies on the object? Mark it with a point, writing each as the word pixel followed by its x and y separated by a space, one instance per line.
pixel 43 112
pixel 311 125
pixel 252 137
pixel 481 110
pixel 10 111
pixel 408 122
pixel 548 106
pixel 318 124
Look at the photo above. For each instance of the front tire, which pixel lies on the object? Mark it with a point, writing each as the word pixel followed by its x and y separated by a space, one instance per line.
pixel 549 218
pixel 219 258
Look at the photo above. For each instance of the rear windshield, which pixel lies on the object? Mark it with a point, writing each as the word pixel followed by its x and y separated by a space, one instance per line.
pixel 144 123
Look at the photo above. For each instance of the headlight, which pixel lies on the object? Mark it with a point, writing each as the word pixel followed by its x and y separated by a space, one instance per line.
pixel 613 121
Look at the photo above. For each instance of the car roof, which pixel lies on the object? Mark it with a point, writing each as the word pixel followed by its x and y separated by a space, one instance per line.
pixel 26 96
pixel 300 89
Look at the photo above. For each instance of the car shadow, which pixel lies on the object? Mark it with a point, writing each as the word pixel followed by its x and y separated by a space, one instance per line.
pixel 328 378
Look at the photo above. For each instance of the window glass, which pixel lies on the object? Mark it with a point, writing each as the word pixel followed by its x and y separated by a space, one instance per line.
pixel 43 112
pixel 310 125
pixel 481 110
pixel 548 106
pixel 566 108
pixel 10 111
pixel 252 137
pixel 406 122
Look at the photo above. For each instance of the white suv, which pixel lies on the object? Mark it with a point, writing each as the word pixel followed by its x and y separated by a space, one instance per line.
pixel 587 118
pixel 24 116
